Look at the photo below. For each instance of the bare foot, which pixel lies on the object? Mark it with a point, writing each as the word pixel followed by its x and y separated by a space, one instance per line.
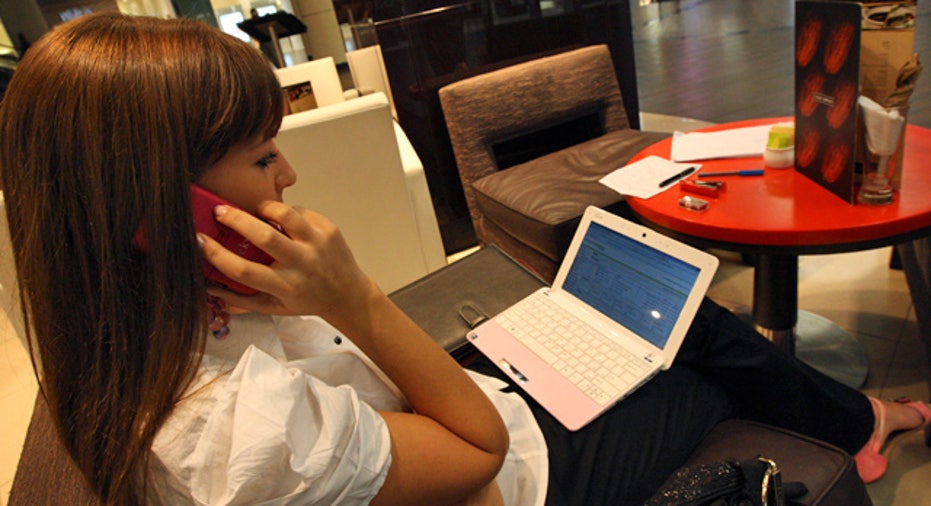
pixel 898 417
pixel 890 417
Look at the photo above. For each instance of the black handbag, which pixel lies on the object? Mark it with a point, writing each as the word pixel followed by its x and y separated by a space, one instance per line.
pixel 755 482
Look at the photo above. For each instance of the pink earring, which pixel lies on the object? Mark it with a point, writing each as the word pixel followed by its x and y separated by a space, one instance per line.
pixel 219 317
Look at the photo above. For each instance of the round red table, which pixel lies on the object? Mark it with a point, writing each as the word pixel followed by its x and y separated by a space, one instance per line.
pixel 783 214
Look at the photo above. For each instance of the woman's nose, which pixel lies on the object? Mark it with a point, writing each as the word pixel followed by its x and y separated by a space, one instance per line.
pixel 286 176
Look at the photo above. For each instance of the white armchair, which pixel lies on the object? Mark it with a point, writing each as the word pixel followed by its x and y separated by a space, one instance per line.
pixel 367 66
pixel 356 166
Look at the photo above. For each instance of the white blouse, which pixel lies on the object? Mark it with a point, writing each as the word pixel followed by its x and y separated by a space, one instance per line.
pixel 283 411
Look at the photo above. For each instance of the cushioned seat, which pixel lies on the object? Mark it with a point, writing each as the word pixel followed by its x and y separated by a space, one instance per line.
pixel 540 202
pixel 558 108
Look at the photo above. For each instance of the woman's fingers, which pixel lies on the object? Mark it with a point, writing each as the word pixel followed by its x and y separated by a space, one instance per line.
pixel 298 223
pixel 269 282
pixel 264 235
pixel 314 270
pixel 235 267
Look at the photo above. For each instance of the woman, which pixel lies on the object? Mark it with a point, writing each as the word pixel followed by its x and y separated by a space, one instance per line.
pixel 106 124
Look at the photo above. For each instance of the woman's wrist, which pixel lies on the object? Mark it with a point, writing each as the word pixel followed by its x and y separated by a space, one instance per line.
pixel 358 318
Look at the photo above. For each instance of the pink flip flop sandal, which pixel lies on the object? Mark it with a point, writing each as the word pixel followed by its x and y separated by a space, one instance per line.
pixel 871 465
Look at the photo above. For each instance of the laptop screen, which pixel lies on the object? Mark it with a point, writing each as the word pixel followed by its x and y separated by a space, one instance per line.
pixel 637 286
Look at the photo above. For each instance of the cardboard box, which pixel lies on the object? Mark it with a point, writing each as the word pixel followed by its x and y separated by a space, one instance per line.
pixel 299 98
pixel 845 49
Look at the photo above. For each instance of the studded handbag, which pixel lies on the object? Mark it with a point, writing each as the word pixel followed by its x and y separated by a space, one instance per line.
pixel 754 482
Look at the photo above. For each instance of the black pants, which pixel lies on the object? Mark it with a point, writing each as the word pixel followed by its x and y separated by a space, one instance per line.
pixel 723 370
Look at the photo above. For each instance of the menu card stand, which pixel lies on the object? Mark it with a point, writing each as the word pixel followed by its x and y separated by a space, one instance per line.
pixel 272 27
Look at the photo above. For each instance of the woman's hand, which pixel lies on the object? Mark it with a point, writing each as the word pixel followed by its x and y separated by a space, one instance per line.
pixel 314 271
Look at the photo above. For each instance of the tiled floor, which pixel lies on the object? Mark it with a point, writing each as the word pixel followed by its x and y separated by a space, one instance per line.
pixel 17 393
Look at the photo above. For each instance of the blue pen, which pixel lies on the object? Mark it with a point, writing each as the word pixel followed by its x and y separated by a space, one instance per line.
pixel 752 172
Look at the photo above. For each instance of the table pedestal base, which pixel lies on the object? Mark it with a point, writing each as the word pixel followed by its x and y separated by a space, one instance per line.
pixel 827 347
pixel 823 345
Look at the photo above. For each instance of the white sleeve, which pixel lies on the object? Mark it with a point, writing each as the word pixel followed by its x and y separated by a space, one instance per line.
pixel 280 436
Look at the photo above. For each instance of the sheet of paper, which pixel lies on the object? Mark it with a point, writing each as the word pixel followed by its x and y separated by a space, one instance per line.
pixel 736 142
pixel 642 178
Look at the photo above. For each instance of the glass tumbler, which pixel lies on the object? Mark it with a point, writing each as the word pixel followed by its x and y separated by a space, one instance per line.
pixel 883 131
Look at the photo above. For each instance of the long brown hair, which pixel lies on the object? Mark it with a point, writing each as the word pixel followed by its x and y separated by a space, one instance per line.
pixel 104 125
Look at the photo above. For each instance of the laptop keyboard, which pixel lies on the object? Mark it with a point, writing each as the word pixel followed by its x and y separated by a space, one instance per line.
pixel 598 366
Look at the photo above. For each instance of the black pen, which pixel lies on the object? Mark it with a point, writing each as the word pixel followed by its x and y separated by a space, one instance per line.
pixel 678 176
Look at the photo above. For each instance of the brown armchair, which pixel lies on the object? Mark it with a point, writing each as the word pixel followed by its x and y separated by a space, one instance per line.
pixel 519 198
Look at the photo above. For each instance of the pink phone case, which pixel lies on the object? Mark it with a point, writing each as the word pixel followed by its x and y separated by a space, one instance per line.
pixel 203 204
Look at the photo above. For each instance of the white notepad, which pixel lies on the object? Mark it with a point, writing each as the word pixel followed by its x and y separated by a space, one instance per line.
pixel 732 143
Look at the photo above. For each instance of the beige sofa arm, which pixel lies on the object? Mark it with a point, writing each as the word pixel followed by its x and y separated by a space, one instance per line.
pixel 357 168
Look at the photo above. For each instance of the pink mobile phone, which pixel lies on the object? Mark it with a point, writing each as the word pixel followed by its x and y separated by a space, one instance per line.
pixel 202 204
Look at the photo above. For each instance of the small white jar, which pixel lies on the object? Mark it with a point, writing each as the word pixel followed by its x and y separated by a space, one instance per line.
pixel 779 158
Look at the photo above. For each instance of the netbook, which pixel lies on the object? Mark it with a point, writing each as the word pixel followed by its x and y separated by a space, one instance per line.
pixel 616 315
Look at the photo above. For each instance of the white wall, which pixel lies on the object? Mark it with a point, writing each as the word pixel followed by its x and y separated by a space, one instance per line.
pixel 323 37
